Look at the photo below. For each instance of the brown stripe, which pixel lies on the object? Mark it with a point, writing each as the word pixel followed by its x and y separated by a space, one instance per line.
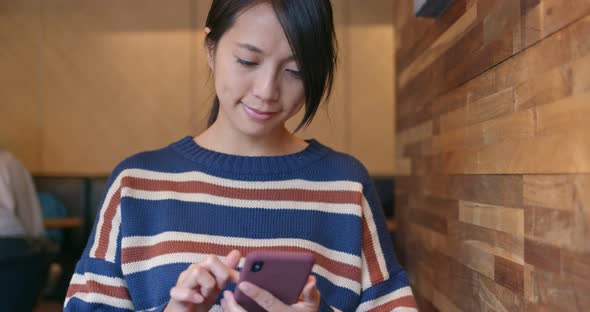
pixel 107 225
pixel 134 254
pixel 96 287
pixel 371 255
pixel 406 302
pixel 335 197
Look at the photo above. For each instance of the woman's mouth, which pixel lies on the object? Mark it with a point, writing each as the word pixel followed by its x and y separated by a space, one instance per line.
pixel 257 115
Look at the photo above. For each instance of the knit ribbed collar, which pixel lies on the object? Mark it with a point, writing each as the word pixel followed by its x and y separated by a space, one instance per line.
pixel 250 164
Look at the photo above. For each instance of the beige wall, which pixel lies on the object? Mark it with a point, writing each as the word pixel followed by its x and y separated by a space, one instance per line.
pixel 89 83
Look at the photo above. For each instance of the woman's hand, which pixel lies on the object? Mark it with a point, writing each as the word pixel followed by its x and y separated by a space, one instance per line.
pixel 309 300
pixel 198 287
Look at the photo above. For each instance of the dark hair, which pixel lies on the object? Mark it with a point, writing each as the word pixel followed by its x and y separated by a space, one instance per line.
pixel 309 27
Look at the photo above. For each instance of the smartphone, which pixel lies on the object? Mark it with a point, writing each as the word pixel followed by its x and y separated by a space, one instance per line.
pixel 283 274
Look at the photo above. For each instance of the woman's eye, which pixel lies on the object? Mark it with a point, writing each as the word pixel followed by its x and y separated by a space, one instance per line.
pixel 245 63
pixel 295 73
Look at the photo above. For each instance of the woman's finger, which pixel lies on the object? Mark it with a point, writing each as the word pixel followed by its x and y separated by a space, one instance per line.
pixel 223 271
pixel 198 275
pixel 229 303
pixel 262 297
pixel 186 295
pixel 231 261
pixel 310 292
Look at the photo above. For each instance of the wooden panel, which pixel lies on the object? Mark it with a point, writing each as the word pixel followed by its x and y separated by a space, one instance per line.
pixel 504 92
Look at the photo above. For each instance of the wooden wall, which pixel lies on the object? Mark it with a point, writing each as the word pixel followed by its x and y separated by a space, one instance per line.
pixel 84 84
pixel 493 154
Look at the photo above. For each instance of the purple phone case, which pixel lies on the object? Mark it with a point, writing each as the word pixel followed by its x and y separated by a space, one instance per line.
pixel 283 274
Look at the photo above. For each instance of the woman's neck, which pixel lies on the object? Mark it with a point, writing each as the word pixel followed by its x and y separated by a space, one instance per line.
pixel 220 139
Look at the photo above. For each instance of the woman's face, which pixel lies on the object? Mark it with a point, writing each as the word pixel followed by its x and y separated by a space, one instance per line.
pixel 256 76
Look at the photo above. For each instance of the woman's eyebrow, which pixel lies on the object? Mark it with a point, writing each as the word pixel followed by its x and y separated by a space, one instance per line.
pixel 250 47
pixel 256 49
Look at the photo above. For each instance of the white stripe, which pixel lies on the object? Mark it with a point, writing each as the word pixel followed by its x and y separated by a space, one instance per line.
pixel 101 219
pixel 105 280
pixel 172 258
pixel 102 299
pixel 143 241
pixel 271 185
pixel 402 292
pixel 335 310
pixel 112 244
pixel 366 278
pixel 351 209
pixel 338 280
pixel 375 238
pixel 189 258
pixel 404 309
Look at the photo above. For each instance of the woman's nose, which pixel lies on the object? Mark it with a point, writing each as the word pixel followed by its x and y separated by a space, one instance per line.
pixel 266 86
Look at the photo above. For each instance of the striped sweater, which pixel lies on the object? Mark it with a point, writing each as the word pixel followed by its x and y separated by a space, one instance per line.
pixel 163 210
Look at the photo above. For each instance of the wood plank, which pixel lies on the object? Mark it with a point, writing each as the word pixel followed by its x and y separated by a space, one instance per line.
pixel 493 106
pixel 454 119
pixel 445 208
pixel 549 191
pixel 581 225
pixel 494 190
pixel 509 275
pixel 403 166
pixel 443 303
pixel 519 125
pixel 571 114
pixel 495 297
pixel 497 243
pixel 502 190
pixel 509 220
pixel 552 292
pixel 536 155
pixel 415 134
pixel 543 256
pixel 550 226
pixel 552 86
pixel 576 263
pixel 428 220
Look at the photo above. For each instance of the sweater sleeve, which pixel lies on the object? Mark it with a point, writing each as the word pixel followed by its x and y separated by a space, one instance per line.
pixel 385 286
pixel 98 282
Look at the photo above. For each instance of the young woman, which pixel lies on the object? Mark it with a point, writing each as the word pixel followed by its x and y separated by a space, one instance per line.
pixel 176 222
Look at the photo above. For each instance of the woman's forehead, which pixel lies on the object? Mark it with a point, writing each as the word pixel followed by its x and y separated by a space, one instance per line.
pixel 258 28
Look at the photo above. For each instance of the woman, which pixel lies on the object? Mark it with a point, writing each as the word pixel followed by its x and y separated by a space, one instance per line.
pixel 175 222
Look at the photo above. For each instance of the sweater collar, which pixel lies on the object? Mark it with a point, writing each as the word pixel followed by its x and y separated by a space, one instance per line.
pixel 250 164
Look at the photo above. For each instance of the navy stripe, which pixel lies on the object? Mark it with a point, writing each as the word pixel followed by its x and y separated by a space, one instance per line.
pixel 79 305
pixel 339 297
pixel 148 218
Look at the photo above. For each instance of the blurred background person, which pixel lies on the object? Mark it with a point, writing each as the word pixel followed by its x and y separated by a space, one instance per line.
pixel 25 254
